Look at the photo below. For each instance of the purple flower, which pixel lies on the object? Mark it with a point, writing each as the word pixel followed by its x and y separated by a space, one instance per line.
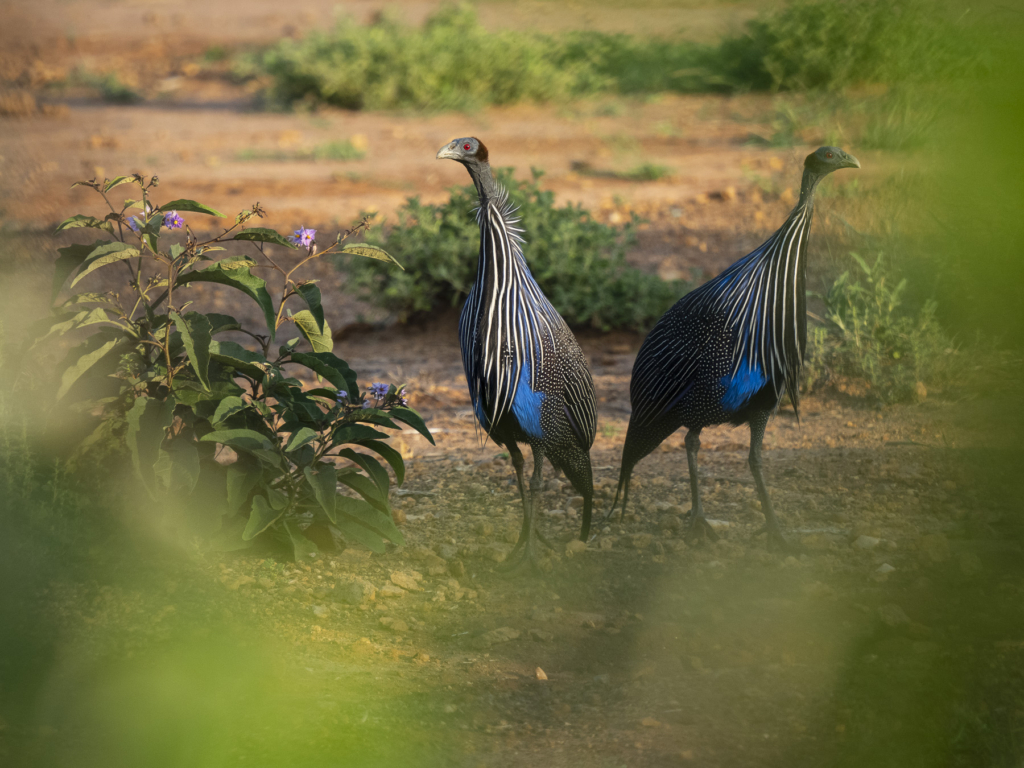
pixel 367 404
pixel 135 224
pixel 379 390
pixel 304 237
pixel 172 220
pixel 342 396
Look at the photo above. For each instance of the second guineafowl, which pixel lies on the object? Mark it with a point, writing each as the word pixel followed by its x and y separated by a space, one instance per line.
pixel 727 351
pixel 528 379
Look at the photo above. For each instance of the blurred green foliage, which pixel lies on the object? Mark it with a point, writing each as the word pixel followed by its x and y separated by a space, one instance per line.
pixel 579 262
pixel 454 63
pixel 871 334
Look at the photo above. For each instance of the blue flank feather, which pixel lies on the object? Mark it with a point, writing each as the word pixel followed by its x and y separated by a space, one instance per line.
pixel 526 405
pixel 742 386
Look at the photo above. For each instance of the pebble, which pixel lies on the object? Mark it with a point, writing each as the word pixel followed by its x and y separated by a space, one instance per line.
pixel 496 552
pixel 649 722
pixel 640 540
pixel 447 551
pixel 541 636
pixel 321 610
pixel 718 525
pixel 483 528
pixel 540 674
pixel 457 568
pixel 605 543
pixel 354 591
pixel 395 625
pixel 576 502
pixel 391 590
pixel 885 568
pixel 575 547
pixel 409 580
pixel 499 635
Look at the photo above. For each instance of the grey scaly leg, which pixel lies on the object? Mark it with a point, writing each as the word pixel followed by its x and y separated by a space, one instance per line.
pixel 698 525
pixel 518 463
pixel 758 422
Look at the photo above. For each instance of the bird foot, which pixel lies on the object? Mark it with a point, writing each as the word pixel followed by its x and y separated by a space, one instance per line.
pixel 525 552
pixel 699 529
pixel 778 543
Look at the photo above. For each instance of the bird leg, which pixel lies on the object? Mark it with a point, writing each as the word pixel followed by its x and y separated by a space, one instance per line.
pixel 775 538
pixel 525 549
pixel 698 526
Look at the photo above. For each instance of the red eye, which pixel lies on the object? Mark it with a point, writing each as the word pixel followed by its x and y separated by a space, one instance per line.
pixel 828 155
pixel 466 147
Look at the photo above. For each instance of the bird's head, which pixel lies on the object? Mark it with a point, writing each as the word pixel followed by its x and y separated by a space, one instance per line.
pixel 468 151
pixel 824 160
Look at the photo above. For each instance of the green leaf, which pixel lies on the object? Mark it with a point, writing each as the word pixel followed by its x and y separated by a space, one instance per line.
pixel 264 235
pixel 196 335
pixel 76 370
pixel 252 364
pixel 80 220
pixel 235 273
pixel 365 487
pixel 303 437
pixel 393 457
pixel 91 298
pixel 414 420
pixel 242 439
pixel 302 548
pixel 66 322
pixel 108 253
pixel 329 366
pixel 70 259
pixel 355 433
pixel 177 467
pixel 147 420
pixel 318 335
pixel 227 407
pixel 191 206
pixel 220 323
pixel 374 416
pixel 361 534
pixel 242 477
pixel 371 252
pixel 310 293
pixel 324 482
pixel 261 517
pixel 118 181
pixel 372 518
pixel 372 467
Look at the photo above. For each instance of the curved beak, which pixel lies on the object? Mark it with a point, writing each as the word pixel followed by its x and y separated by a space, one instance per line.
pixel 851 162
pixel 447 152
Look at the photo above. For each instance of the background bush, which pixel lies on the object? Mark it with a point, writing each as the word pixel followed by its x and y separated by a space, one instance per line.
pixel 452 62
pixel 579 262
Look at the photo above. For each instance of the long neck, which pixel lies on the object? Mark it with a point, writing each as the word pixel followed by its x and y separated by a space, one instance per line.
pixel 486 186
pixel 808 184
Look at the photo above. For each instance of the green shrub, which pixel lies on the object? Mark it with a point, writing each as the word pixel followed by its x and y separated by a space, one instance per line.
pixel 831 44
pixel 168 386
pixel 578 262
pixel 454 63
pixel 870 335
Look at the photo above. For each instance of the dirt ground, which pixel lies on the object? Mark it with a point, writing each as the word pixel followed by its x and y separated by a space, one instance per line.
pixel 893 636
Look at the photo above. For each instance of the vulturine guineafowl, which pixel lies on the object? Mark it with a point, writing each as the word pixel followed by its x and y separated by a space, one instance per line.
pixel 727 351
pixel 528 379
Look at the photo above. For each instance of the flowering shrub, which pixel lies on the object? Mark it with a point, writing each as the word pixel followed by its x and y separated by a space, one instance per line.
pixel 223 429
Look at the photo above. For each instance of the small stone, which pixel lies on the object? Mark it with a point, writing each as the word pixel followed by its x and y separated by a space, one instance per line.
pixel 540 674
pixel 354 591
pixel 920 391
pixel 457 568
pixel 885 568
pixel 395 625
pixel 866 542
pixel 554 513
pixel 483 528
pixel 391 590
pixel 477 489
pixel 496 552
pixel 407 580
pixel 541 636
pixel 605 543
pixel 641 540
pixel 421 658
pixel 447 551
pixel 265 583
pixel 576 502
pixel 649 722
pixel 893 616
pixel 450 709
pixel 321 610
pixel 718 525
pixel 499 635
pixel 575 547
pixel 671 523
